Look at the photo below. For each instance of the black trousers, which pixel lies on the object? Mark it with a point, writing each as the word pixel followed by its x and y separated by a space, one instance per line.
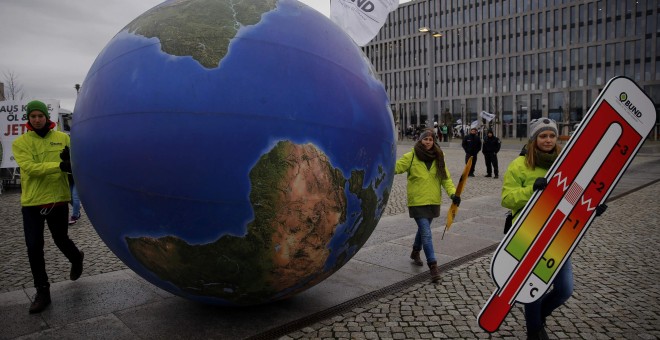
pixel 491 163
pixel 474 162
pixel 34 219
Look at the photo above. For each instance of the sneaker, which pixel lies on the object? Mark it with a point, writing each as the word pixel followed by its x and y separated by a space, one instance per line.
pixel 77 268
pixel 73 220
pixel 488 175
pixel 496 176
pixel 471 175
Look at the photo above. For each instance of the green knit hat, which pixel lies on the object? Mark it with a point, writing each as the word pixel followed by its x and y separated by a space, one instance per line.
pixel 38 106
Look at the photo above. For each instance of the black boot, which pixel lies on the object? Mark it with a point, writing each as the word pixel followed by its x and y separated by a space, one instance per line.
pixel 77 268
pixel 415 257
pixel 41 300
pixel 435 272
pixel 537 335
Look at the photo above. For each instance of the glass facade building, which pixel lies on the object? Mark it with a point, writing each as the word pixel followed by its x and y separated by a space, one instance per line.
pixel 517 59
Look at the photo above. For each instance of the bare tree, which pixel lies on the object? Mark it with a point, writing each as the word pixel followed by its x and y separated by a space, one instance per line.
pixel 13 90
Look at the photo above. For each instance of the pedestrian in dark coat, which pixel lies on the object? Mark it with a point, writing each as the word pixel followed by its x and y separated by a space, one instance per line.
pixel 472 145
pixel 491 148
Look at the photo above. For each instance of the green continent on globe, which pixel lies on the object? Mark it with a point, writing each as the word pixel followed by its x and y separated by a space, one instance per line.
pixel 201 29
pixel 298 201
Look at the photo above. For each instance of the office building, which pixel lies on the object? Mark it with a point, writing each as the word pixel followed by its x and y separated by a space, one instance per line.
pixel 448 60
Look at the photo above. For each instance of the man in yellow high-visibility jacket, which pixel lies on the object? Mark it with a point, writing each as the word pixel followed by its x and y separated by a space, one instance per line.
pixel 43 157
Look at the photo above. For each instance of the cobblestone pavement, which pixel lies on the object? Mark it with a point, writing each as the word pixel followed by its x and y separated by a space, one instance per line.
pixel 617 286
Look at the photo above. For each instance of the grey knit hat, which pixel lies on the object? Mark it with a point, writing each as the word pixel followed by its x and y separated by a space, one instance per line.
pixel 536 126
pixel 426 133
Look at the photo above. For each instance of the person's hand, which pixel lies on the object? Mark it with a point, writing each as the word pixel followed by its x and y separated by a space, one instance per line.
pixel 540 183
pixel 65 166
pixel 600 209
pixel 456 200
pixel 65 154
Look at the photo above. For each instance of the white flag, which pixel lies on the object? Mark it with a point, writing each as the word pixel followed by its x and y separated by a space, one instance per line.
pixel 361 19
pixel 476 124
pixel 459 122
pixel 487 116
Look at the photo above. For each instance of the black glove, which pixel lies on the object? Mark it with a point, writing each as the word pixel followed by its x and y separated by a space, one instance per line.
pixel 65 155
pixel 600 209
pixel 540 183
pixel 456 200
pixel 65 166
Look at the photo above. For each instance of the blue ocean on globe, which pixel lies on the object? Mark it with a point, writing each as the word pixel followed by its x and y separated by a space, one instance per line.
pixel 233 153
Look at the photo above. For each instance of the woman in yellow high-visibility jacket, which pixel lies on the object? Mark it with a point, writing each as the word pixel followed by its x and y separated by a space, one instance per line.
pixel 427 172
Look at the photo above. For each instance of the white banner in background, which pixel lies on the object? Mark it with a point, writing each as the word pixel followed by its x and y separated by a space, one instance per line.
pixel 361 19
pixel 12 125
pixel 487 116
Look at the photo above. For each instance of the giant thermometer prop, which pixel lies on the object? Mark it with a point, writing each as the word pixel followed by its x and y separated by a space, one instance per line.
pixel 554 220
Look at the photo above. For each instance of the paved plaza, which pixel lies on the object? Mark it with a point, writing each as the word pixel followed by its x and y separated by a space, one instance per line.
pixel 617 290
pixel 617 284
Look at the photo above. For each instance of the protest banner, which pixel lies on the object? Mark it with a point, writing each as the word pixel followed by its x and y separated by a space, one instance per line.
pixel 13 120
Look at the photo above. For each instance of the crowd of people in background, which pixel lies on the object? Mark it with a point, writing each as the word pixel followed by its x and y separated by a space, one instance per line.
pixel 443 131
pixel 473 140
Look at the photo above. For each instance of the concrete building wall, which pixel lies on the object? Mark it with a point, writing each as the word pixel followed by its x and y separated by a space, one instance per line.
pixel 517 59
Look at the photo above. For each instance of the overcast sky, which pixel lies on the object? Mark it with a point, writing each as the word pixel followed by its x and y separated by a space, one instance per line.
pixel 49 45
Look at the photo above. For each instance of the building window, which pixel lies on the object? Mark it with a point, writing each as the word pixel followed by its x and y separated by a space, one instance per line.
pixel 507 116
pixel 536 111
pixel 555 107
pixel 576 107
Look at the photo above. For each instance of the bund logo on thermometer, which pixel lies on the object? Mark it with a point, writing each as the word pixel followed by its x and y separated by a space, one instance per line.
pixel 554 220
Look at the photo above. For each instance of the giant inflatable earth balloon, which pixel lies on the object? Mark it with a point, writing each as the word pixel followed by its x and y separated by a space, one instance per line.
pixel 233 152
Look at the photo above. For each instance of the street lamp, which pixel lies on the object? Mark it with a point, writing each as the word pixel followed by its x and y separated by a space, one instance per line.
pixel 463 121
pixel 522 113
pixel 77 87
pixel 435 34
pixel 430 89
pixel 519 120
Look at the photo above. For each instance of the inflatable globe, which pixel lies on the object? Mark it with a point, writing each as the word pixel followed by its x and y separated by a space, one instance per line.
pixel 233 153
